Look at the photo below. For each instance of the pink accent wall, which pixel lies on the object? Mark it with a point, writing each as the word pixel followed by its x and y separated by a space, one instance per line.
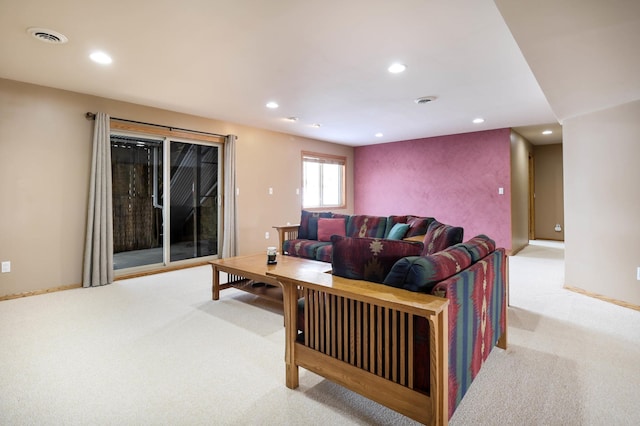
pixel 453 178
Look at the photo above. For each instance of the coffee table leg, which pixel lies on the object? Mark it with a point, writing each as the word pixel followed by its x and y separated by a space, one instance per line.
pixel 289 293
pixel 215 288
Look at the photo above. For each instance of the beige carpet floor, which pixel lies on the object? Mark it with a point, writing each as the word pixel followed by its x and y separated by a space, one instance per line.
pixel 157 351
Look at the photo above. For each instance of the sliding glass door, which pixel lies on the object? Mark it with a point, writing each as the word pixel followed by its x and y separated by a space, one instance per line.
pixel 194 206
pixel 165 200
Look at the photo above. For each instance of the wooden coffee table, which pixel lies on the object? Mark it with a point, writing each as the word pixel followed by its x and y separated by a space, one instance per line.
pixel 249 272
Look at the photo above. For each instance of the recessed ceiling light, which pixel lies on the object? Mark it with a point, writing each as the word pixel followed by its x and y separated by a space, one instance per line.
pixel 379 135
pixel 478 120
pixel 101 58
pixel 48 36
pixel 397 68
pixel 424 100
pixel 272 105
pixel 547 132
pixel 316 125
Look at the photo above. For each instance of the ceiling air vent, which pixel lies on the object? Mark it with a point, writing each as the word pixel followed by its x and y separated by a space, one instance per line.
pixel 425 100
pixel 47 36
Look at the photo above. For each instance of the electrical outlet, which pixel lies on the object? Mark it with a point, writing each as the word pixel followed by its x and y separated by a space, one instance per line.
pixel 266 235
pixel 6 267
pixel 270 191
pixel 637 273
pixel 558 228
pixel 500 191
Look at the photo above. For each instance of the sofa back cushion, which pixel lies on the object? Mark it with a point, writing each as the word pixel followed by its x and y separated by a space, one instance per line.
pixel 309 231
pixel 422 273
pixel 328 227
pixel 440 236
pixel 479 246
pixel 364 226
pixel 417 225
pixel 369 259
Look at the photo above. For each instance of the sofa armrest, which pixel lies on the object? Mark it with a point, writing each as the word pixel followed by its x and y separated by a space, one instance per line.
pixel 421 304
pixel 287 232
pixel 360 335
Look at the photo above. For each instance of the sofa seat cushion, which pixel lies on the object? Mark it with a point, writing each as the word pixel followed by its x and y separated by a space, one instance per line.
pixel 440 236
pixel 369 259
pixel 422 273
pixel 303 248
pixel 364 226
pixel 324 253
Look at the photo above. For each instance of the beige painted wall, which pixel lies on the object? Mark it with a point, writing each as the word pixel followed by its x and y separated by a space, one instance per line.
pixel 520 149
pixel 602 202
pixel 45 155
pixel 549 203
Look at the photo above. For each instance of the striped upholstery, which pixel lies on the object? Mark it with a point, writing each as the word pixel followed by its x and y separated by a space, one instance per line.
pixel 477 318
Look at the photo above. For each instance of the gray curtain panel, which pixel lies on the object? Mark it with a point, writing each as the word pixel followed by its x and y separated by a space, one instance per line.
pixel 230 232
pixel 98 253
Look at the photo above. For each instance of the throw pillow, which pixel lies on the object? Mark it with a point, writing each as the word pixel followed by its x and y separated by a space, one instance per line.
pixel 303 229
pixel 440 236
pixel 329 227
pixel 398 231
pixel 369 259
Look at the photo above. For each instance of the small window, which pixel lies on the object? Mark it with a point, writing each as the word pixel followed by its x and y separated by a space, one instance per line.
pixel 323 179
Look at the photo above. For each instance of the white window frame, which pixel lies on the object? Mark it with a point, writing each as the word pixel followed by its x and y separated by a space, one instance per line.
pixel 322 159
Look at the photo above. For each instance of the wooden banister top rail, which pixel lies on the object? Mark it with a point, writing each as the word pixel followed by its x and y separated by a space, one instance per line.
pixel 379 294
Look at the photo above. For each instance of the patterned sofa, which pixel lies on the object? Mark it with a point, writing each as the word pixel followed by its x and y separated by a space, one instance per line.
pixel 407 329
pixel 311 239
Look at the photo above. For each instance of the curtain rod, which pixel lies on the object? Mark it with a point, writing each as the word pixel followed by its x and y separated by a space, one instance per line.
pixel 92 116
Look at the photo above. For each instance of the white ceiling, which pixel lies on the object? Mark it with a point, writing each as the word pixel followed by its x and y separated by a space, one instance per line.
pixel 322 61
pixel 584 53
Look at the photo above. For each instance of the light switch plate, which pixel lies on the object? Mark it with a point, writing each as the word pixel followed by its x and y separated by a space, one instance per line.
pixel 6 267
